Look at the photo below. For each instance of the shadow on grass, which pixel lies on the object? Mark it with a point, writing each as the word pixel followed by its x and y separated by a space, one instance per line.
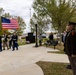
pixel 50 68
pixel 60 47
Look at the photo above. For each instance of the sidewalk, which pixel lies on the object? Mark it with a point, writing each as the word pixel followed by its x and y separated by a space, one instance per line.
pixel 22 61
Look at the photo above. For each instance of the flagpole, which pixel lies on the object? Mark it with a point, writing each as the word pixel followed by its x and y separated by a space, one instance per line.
pixel 30 18
pixel 30 13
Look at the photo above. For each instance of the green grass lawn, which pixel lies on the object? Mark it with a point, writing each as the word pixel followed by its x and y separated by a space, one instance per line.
pixel 52 68
pixel 60 47
pixel 22 41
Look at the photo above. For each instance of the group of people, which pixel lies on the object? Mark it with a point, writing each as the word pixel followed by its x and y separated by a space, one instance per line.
pixel 69 40
pixel 9 41
pixel 50 37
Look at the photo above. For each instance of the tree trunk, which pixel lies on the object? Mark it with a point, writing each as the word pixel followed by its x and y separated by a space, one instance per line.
pixel 60 35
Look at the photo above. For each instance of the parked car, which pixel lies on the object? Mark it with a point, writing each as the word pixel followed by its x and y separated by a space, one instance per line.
pixel 43 35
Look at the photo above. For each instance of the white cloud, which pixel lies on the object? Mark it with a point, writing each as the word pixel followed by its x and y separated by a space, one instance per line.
pixel 18 8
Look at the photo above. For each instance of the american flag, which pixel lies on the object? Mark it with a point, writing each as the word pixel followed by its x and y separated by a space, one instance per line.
pixel 9 23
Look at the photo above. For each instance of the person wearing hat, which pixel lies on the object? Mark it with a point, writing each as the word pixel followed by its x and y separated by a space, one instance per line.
pixel 70 45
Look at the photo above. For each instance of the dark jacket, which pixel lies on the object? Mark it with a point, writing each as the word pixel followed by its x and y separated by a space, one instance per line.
pixel 0 39
pixel 70 43
pixel 51 37
pixel 5 38
pixel 14 38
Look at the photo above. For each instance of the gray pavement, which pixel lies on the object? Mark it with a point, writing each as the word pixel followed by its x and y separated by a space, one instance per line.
pixel 23 61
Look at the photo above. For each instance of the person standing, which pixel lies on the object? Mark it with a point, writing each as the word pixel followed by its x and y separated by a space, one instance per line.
pixel 40 40
pixel 5 41
pixel 51 37
pixel 63 40
pixel 63 36
pixel 0 43
pixel 70 45
pixel 15 41
pixel 10 41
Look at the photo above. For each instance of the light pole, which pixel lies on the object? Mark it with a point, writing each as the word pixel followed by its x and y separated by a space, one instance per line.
pixel 30 13
pixel 36 44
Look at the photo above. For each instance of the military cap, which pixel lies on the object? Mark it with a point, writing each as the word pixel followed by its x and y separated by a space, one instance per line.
pixel 72 23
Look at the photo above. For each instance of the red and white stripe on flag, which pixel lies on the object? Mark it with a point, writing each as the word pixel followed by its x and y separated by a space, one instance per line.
pixel 12 25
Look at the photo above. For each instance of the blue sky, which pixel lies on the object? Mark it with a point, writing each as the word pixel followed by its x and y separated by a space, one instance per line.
pixel 18 8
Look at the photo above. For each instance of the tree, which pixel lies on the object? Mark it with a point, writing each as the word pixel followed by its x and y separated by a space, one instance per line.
pixel 41 21
pixel 7 15
pixel 60 12
pixel 1 13
pixel 22 24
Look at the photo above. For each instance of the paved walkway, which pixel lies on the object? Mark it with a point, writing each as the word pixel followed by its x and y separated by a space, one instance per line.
pixel 23 61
